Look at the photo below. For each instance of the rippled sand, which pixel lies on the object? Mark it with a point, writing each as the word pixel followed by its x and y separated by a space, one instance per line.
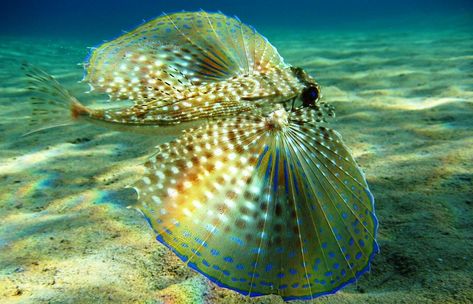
pixel 404 106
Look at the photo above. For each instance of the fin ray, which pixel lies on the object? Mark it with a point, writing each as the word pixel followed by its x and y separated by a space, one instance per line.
pixel 343 185
pixel 328 223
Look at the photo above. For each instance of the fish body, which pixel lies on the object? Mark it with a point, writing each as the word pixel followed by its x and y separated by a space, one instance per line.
pixel 209 101
pixel 256 192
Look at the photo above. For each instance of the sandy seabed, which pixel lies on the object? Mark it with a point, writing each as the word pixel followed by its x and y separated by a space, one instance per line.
pixel 404 105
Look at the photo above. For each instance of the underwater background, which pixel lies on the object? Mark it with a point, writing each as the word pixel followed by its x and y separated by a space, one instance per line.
pixel 399 73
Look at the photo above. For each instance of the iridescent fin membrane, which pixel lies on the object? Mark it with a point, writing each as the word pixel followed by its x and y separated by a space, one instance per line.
pixel 263 205
pixel 161 59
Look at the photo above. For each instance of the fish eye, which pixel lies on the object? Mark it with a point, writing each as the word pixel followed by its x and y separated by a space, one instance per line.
pixel 309 96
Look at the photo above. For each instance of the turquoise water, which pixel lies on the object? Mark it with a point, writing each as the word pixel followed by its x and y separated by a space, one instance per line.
pixel 105 19
pixel 399 76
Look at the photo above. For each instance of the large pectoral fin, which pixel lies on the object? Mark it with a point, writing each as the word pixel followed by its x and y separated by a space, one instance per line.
pixel 263 206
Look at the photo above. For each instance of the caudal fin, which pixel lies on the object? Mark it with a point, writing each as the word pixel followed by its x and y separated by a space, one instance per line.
pixel 52 104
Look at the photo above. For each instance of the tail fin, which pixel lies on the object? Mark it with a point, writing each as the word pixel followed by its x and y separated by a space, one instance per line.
pixel 52 105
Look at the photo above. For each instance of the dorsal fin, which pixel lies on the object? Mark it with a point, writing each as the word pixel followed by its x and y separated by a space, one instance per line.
pixel 161 59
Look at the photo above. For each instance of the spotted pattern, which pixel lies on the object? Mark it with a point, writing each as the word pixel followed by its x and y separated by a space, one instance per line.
pixel 189 66
pixel 260 198
pixel 263 204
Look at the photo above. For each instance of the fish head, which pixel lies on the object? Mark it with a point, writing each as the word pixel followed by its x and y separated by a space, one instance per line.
pixel 310 94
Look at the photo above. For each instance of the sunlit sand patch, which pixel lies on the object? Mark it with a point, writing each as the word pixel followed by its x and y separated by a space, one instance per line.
pixel 80 275
pixel 79 201
pixel 42 180
pixel 191 291
pixel 337 94
pixel 422 104
pixel 21 163
pixel 20 225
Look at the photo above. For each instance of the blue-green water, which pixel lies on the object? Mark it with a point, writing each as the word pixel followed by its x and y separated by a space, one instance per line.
pixel 399 74
pixel 105 19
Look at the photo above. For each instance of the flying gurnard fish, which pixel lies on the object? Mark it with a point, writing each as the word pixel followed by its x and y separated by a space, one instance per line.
pixel 255 193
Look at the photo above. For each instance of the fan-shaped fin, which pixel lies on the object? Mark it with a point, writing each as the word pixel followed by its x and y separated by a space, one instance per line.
pixel 263 205
pixel 164 58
